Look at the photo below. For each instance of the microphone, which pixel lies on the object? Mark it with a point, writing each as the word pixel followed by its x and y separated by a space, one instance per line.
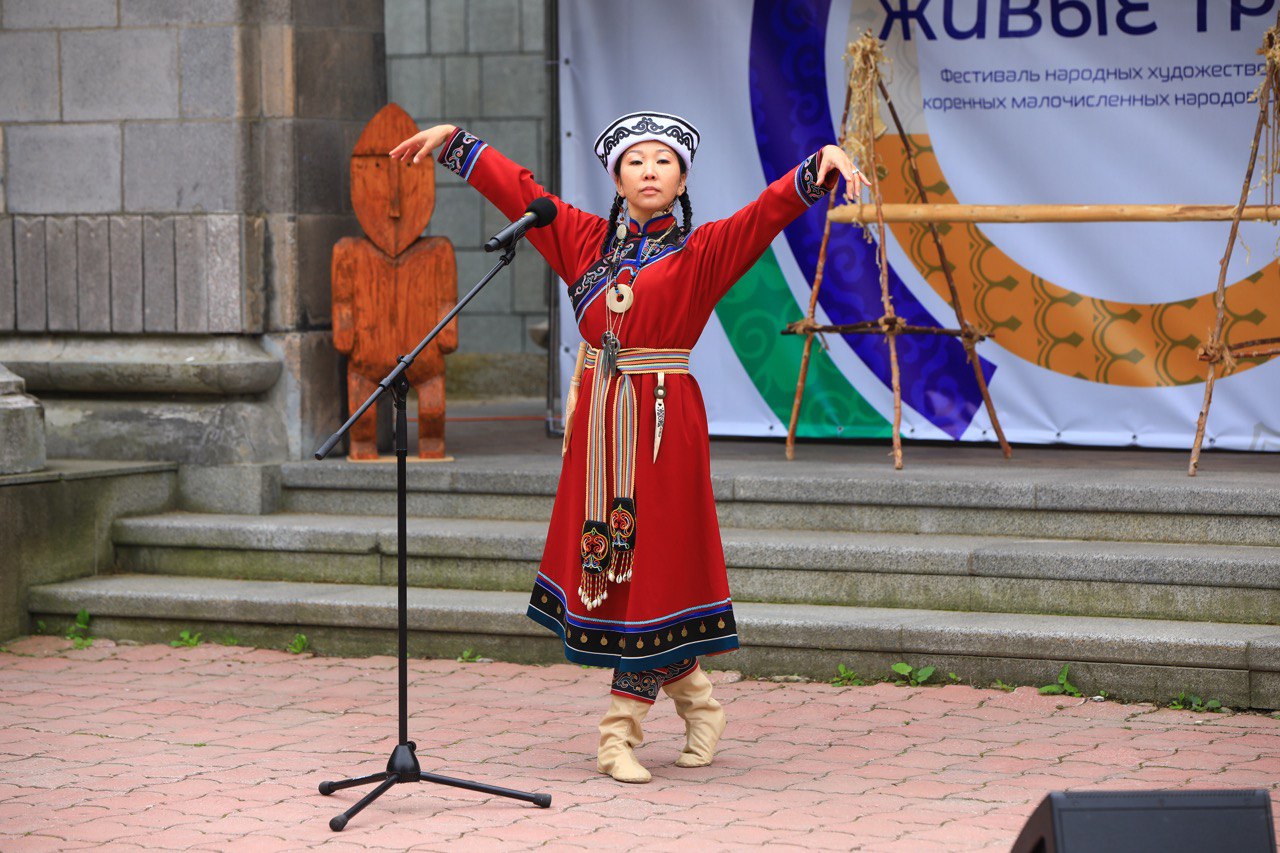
pixel 540 212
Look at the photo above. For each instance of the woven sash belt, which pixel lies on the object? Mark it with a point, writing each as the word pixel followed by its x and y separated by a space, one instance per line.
pixel 609 532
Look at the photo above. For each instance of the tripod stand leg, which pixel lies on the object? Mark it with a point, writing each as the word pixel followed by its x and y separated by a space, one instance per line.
pixel 338 823
pixel 328 788
pixel 541 800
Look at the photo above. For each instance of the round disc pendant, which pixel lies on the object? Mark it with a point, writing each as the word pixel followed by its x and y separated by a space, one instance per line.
pixel 620 299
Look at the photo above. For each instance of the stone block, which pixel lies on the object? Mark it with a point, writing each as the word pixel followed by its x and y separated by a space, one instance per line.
pixel 364 15
pixel 172 167
pixel 458 216
pixel 416 83
pixel 406 27
pixel 493 25
pixel 277 166
pixel 519 139
pixel 224 273
pixel 484 375
pixel 190 258
pixel 514 86
pixel 205 365
pixel 8 314
pixel 495 298
pixel 533 26
pixel 276 71
pixel 489 333
pixel 211 72
pixel 323 166
pixel 310 389
pixel 225 432
pixel 345 73
pixel 60 270
pixel 134 13
pixel 461 87
pixel 63 168
pixel 531 282
pixel 29 273
pixel 253 237
pixel 159 305
pixel 271 12
pixel 93 273
pixel 318 15
pixel 282 239
pixel 22 425
pixel 239 489
pixel 316 235
pixel 59 14
pixel 248 46
pixel 126 274
pixel 447 26
pixel 28 77
pixel 120 74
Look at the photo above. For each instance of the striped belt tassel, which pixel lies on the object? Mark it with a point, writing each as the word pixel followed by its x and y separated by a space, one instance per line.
pixel 622 515
pixel 595 547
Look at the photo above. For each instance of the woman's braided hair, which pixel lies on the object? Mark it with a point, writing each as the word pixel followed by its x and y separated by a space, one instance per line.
pixel 687 210
pixel 613 218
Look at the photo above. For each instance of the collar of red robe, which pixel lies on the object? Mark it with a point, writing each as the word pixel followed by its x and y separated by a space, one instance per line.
pixel 655 225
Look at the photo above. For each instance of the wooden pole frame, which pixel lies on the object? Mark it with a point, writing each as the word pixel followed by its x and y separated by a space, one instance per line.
pixel 889 325
pixel 1215 352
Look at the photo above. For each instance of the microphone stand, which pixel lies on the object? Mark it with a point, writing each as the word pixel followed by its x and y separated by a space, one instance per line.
pixel 403 765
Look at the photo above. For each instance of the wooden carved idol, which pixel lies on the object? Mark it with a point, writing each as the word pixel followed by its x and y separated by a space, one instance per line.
pixel 391 287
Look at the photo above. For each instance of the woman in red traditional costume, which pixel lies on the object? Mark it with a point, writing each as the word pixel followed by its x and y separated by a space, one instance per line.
pixel 633 574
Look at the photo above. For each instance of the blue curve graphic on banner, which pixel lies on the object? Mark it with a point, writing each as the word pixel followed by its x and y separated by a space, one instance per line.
pixel 792 119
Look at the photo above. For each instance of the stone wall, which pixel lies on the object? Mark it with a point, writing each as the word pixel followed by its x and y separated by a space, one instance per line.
pixel 482 64
pixel 174 175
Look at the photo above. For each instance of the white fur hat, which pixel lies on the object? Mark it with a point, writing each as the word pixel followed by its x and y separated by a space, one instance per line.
pixel 627 130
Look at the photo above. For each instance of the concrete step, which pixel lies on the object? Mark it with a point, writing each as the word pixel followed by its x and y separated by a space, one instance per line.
pixel 1133 659
pixel 1211 583
pixel 1051 503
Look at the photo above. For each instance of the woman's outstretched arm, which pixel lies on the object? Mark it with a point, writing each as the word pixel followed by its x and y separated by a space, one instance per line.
pixel 731 245
pixel 569 244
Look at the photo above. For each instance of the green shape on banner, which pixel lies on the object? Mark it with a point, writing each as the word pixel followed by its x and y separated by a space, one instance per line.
pixel 753 314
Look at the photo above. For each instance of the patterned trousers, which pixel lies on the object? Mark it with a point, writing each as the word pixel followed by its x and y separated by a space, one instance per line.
pixel 644 685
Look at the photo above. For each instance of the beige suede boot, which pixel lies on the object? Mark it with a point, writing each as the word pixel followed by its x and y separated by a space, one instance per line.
pixel 619 734
pixel 703 718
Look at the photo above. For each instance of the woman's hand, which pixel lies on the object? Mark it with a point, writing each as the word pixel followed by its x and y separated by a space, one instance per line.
pixel 423 144
pixel 832 161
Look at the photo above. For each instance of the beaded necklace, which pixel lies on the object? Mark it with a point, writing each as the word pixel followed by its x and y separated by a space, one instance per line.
pixel 620 295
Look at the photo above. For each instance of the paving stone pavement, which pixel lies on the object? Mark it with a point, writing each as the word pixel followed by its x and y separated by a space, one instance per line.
pixel 222 747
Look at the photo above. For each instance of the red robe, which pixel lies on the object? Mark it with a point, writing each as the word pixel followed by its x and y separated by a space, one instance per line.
pixel 677 603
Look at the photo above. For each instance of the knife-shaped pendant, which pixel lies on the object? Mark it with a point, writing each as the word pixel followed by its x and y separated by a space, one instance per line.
pixel 659 413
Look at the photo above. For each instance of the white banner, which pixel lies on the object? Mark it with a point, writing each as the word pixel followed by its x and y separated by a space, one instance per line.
pixel 1094 327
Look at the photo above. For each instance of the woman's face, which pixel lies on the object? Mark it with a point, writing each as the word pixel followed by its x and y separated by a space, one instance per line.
pixel 649 178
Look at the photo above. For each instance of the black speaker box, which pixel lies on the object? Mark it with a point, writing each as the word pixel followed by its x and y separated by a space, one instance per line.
pixel 1156 821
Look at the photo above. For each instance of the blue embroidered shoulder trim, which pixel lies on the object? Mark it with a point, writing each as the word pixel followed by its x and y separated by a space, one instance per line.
pixel 460 153
pixel 807 186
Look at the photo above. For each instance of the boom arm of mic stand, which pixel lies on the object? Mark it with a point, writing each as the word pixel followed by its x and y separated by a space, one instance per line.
pixel 403 362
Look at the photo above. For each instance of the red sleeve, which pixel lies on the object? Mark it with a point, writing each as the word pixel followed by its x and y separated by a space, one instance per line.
pixel 569 244
pixel 728 247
